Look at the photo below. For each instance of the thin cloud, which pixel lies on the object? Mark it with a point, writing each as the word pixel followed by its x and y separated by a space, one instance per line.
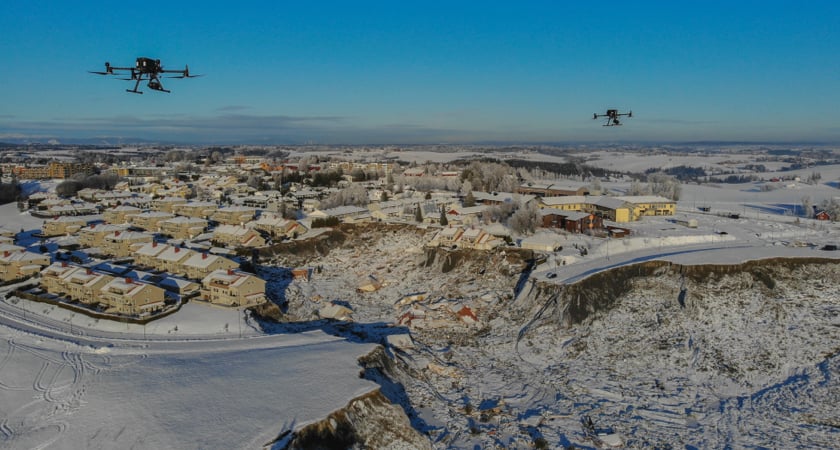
pixel 232 108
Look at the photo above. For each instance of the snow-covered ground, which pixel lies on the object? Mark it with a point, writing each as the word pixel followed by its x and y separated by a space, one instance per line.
pixel 189 381
pixel 740 366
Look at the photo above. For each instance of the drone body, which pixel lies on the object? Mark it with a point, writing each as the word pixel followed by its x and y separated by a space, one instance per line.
pixel 146 68
pixel 612 116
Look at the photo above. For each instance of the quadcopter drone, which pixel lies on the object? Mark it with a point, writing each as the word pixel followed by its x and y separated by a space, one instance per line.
pixel 612 116
pixel 149 69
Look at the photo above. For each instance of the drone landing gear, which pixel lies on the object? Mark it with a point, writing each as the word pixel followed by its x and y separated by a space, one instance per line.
pixel 135 92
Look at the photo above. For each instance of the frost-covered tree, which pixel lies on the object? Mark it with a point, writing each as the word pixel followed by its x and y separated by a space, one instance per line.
pixel 664 185
pixel 489 177
pixel 807 207
pixel 469 199
pixel 832 207
pixel 355 195
pixel 525 219
pixel 595 185
pixel 637 188
pixel 466 188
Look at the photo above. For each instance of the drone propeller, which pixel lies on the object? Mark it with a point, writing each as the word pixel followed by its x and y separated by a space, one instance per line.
pixel 108 70
pixel 185 74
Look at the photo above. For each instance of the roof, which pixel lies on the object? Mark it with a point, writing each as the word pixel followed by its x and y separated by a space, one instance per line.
pixel 151 249
pixel 636 199
pixel 609 202
pixel 564 200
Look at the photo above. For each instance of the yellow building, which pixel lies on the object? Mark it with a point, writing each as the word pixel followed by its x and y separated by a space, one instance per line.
pixel 233 288
pixel 53 170
pixel 120 214
pixel 202 210
pixel 649 205
pixel 199 265
pixel 123 243
pixel 93 234
pixel 577 203
pixel 237 236
pixel 131 297
pixel 234 215
pixel 149 220
pixel 60 226
pixel 181 227
pixel 20 264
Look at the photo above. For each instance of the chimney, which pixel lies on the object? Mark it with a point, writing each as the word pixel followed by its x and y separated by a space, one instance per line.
pixel 204 255
pixel 6 254
pixel 64 264
pixel 127 280
pixel 116 233
pixel 154 244
pixel 88 271
pixel 230 271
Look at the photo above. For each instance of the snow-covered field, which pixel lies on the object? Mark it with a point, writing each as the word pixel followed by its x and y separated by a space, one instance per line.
pixel 739 365
pixel 189 383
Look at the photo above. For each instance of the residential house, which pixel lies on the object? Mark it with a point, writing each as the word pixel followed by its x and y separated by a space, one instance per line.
pixel 64 225
pixel 123 243
pixel 149 220
pixel 120 214
pixel 15 265
pixel 172 259
pixel 92 235
pixel 278 226
pixel 477 238
pixel 237 236
pixel 234 215
pixel 466 215
pixel 201 210
pixel 146 256
pixel 167 204
pixel 233 288
pixel 544 242
pixel 52 277
pixel 84 285
pixel 181 227
pixel 199 265
pixel 131 297
pixel 822 215
pixel 447 237
pixel 71 209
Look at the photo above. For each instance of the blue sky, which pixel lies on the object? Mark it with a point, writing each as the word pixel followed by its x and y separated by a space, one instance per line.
pixel 424 72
